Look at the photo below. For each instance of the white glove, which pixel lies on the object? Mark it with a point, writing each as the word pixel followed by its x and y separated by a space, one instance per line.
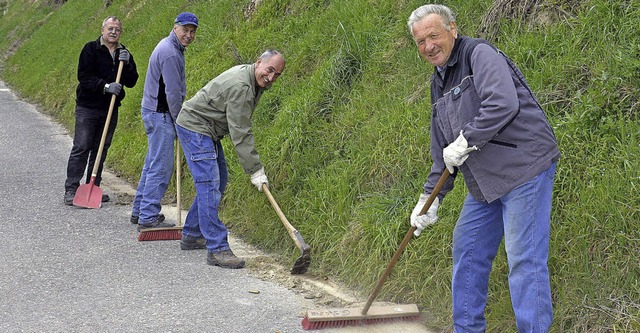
pixel 457 152
pixel 258 178
pixel 429 218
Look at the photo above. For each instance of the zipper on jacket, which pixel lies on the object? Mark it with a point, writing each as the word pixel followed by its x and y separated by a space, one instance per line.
pixel 502 143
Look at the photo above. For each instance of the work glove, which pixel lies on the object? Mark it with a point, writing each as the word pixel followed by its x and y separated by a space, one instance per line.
pixel 429 218
pixel 113 88
pixel 124 56
pixel 457 152
pixel 258 178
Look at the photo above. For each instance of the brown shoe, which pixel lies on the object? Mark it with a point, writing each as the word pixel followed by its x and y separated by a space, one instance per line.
pixel 224 259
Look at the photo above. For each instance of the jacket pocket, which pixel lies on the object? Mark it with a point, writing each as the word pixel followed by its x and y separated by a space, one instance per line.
pixel 504 144
pixel 463 104
pixel 457 91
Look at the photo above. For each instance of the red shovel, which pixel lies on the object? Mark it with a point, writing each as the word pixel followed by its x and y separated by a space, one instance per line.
pixel 89 195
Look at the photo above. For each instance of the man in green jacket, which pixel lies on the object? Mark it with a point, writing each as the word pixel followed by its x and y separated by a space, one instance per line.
pixel 223 106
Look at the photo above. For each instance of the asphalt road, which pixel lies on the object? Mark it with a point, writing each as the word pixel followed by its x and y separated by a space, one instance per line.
pixel 71 269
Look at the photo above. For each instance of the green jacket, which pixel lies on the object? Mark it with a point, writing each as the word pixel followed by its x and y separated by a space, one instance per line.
pixel 224 106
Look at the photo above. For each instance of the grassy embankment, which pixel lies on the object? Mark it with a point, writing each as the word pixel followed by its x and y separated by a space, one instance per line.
pixel 344 134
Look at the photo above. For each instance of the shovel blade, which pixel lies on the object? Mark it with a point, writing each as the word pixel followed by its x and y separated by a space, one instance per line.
pixel 88 195
pixel 302 264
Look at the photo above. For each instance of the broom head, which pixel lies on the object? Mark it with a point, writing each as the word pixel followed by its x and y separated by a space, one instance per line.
pixel 318 319
pixel 154 234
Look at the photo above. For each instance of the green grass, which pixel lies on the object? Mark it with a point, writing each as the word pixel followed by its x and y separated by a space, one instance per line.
pixel 344 135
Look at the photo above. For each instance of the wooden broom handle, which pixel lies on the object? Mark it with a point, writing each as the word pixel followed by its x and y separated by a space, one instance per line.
pixel 178 176
pixel 405 241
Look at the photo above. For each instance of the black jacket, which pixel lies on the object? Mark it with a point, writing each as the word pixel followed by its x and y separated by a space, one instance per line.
pixel 96 68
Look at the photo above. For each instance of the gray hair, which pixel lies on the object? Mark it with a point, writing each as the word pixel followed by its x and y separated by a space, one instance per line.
pixel 268 53
pixel 422 11
pixel 104 23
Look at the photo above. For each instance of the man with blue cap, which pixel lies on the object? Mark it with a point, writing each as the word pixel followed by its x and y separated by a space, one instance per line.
pixel 165 89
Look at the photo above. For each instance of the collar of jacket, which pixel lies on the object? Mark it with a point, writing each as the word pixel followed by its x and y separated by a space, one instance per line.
pixel 451 62
pixel 176 42
pixel 453 57
pixel 251 68
pixel 102 43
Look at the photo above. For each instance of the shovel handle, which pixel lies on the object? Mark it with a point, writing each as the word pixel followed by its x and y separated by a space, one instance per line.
pixel 94 172
pixel 405 241
pixel 293 233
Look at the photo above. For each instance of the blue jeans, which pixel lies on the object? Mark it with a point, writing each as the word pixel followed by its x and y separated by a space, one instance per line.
pixel 158 165
pixel 209 171
pixel 86 142
pixel 522 217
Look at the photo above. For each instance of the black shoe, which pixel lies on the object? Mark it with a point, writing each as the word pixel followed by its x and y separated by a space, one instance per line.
pixel 68 197
pixel 191 243
pixel 158 223
pixel 134 219
pixel 105 197
pixel 224 259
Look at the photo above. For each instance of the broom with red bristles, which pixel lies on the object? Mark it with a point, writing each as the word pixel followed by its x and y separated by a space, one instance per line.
pixel 173 233
pixel 318 319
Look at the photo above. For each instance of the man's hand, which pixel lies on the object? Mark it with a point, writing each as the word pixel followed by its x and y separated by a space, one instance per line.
pixel 258 178
pixel 113 88
pixel 457 152
pixel 422 221
pixel 124 56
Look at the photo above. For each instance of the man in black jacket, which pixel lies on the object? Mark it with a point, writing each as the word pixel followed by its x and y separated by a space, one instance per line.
pixel 97 69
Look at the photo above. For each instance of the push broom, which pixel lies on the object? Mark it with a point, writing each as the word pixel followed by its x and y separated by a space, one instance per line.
pixel 318 319
pixel 173 233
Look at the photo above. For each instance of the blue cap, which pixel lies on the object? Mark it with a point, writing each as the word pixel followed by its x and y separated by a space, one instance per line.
pixel 186 18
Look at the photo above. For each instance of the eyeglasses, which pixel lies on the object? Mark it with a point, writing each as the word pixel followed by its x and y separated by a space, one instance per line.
pixel 116 30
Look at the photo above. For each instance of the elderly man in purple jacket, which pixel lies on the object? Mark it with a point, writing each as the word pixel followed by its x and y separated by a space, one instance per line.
pixel 487 124
pixel 165 89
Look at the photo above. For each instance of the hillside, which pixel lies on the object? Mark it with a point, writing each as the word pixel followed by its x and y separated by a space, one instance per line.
pixel 344 132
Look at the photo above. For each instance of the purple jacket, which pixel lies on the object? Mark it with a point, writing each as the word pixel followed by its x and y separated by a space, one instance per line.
pixel 484 94
pixel 165 85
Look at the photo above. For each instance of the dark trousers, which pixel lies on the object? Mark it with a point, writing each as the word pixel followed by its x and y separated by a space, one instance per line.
pixel 86 142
